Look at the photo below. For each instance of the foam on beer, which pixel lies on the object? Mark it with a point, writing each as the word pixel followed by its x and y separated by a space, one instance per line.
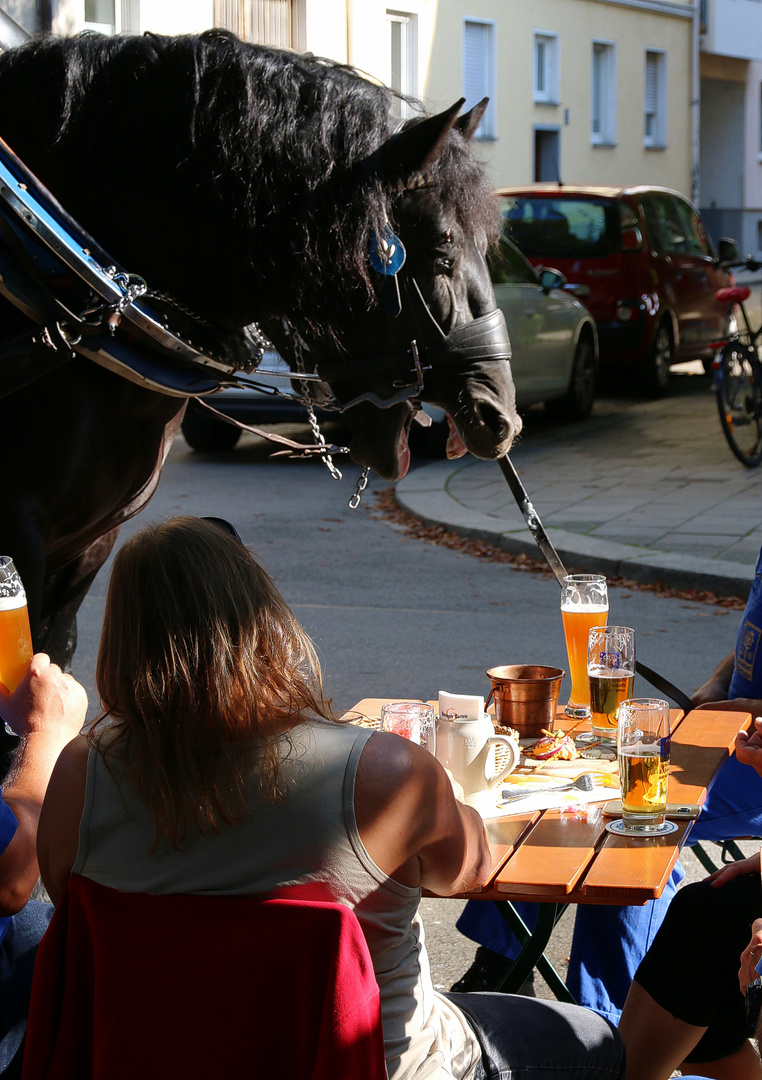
pixel 8 603
pixel 585 609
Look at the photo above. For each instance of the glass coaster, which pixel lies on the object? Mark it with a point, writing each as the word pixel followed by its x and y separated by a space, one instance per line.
pixel 618 828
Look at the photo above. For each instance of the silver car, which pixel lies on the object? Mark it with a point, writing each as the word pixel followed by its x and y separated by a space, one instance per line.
pixel 555 361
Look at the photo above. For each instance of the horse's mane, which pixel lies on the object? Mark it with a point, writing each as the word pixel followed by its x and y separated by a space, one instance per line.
pixel 273 141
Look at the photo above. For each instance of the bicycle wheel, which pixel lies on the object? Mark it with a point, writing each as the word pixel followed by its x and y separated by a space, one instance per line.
pixel 739 400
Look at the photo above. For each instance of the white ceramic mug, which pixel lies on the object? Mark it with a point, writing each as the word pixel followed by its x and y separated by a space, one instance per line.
pixel 466 748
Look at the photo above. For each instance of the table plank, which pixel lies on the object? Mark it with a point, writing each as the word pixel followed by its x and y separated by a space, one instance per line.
pixel 700 747
pixel 552 858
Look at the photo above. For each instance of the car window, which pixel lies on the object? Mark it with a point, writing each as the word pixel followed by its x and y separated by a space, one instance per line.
pixel 697 240
pixel 561 227
pixel 669 233
pixel 507 266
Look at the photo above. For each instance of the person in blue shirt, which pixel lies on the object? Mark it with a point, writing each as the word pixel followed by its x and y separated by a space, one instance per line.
pixel 47 710
pixel 609 942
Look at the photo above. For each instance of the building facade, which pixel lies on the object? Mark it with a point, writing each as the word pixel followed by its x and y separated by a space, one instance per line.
pixel 618 92
pixel 731 120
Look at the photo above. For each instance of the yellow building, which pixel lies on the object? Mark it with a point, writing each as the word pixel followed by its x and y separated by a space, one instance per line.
pixel 588 91
pixel 591 91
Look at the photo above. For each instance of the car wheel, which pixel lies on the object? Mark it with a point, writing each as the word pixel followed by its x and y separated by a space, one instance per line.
pixel 577 402
pixel 209 434
pixel 656 371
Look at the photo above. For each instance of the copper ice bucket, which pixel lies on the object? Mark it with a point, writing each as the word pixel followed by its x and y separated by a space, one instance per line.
pixel 525 696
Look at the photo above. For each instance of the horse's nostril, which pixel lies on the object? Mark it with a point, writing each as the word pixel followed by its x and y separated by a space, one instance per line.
pixel 503 427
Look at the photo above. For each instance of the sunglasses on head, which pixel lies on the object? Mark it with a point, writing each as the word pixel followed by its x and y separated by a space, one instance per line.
pixel 225 525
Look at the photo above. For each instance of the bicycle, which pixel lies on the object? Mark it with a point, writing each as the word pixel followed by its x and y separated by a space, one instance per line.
pixel 737 378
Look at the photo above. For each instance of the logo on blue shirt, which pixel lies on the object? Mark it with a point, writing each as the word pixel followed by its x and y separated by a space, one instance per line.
pixel 746 649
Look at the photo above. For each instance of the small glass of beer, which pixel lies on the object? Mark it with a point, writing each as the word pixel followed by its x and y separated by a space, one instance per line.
pixel 15 636
pixel 611 675
pixel 643 745
pixel 584 604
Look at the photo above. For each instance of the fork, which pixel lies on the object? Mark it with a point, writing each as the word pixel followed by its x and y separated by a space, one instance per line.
pixel 586 782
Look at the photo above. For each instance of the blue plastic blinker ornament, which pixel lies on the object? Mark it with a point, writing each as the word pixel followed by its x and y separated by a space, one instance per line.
pixel 387 253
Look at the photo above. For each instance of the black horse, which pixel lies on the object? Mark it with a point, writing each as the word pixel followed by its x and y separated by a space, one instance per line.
pixel 249 184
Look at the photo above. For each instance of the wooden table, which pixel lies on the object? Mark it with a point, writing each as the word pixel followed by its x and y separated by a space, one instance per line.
pixel 558 859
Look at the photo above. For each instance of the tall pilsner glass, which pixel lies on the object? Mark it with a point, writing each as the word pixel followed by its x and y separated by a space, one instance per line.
pixel 584 604
pixel 643 750
pixel 15 637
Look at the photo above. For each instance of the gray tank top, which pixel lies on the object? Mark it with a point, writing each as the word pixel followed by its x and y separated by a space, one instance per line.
pixel 311 835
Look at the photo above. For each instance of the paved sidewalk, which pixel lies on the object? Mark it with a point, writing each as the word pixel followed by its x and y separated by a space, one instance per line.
pixel 643 490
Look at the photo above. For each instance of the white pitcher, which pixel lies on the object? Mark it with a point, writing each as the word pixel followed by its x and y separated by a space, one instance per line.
pixel 466 748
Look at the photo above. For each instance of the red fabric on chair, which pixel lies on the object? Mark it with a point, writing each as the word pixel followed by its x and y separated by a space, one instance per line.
pixel 135 987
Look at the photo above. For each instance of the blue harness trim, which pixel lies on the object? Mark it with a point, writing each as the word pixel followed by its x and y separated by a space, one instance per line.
pixel 81 301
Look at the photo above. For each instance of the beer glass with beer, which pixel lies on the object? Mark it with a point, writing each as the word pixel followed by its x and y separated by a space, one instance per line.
pixel 643 745
pixel 584 604
pixel 15 636
pixel 611 675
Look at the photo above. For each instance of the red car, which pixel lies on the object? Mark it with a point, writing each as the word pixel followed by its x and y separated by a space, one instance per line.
pixel 640 259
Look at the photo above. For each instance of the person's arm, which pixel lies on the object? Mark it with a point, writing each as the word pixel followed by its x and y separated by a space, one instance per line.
pixel 717 685
pixel 410 822
pixel 46 711
pixel 58 831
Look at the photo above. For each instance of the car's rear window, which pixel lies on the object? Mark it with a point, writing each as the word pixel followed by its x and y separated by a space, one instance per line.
pixel 566 228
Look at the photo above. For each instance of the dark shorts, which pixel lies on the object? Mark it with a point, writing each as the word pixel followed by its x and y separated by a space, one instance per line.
pixel 691 969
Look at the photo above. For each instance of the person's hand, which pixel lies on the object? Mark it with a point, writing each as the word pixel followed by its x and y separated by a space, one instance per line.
pixel 46 700
pixel 749 745
pixel 751 956
pixel 735 869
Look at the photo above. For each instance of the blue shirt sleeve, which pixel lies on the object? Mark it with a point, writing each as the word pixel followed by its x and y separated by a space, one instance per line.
pixel 8 825
pixel 747 671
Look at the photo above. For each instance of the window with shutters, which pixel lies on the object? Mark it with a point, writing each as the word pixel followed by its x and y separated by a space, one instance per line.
pixel 546 65
pixel 603 95
pixel 479 62
pixel 403 53
pixel 267 22
pixel 655 100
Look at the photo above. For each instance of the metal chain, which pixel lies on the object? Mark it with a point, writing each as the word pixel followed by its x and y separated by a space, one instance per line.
pixel 362 483
pixel 325 454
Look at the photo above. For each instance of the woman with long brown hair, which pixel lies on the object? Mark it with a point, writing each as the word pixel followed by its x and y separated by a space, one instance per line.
pixel 216 768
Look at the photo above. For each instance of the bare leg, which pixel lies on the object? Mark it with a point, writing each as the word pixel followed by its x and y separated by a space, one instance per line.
pixel 657 1043
pixel 743 1065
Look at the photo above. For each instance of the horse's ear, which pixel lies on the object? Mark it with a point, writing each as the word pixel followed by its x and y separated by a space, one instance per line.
pixel 468 123
pixel 412 151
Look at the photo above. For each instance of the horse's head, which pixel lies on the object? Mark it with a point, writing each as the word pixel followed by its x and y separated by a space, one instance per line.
pixel 435 334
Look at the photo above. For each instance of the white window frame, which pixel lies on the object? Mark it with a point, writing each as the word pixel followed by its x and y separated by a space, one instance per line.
pixel 404 26
pixel 126 19
pixel 606 119
pixel 477 85
pixel 545 75
pixel 657 138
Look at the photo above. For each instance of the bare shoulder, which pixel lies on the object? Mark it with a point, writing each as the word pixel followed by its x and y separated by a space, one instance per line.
pixel 410 822
pixel 58 832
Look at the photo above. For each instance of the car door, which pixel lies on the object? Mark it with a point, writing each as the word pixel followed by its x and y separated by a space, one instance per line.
pixel 705 277
pixel 540 326
pixel 685 268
